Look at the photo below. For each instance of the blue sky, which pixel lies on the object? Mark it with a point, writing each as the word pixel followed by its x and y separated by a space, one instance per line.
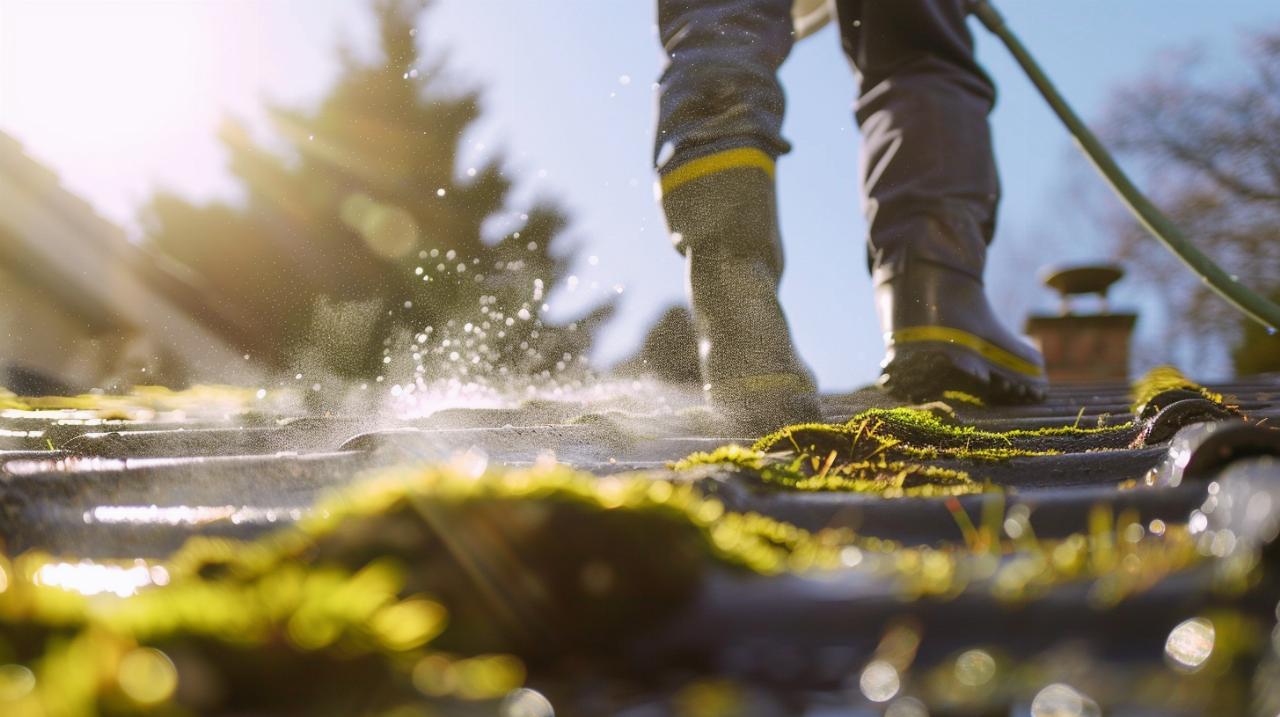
pixel 569 98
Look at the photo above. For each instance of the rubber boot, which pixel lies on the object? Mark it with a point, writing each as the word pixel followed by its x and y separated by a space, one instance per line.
pixel 726 225
pixel 940 332
pixel 942 335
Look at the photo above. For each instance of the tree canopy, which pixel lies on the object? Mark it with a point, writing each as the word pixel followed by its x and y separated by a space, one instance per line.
pixel 360 235
pixel 1211 151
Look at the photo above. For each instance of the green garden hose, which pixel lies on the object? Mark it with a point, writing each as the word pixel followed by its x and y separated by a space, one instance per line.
pixel 1161 227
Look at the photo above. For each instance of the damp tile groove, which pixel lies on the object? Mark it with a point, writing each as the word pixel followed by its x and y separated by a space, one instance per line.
pixel 1075 511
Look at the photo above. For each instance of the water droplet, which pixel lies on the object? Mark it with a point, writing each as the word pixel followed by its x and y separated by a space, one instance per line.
pixel 879 681
pixel 906 707
pixel 147 676
pixel 16 682
pixel 525 702
pixel 1190 644
pixel 975 668
pixel 624 80
pixel 1059 700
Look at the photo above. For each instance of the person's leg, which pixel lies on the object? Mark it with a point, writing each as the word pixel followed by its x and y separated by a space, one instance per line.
pixel 719 134
pixel 931 190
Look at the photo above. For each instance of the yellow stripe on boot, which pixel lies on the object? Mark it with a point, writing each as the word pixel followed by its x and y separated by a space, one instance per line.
pixel 740 158
pixel 984 348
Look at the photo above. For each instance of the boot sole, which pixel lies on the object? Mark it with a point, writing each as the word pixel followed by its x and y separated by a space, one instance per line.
pixel 919 374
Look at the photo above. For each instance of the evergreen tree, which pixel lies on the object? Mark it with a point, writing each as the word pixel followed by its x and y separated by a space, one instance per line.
pixel 360 232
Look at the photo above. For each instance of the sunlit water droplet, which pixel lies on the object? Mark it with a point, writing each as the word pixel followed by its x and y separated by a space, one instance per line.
pixel 147 676
pixel 525 702
pixel 16 682
pixel 89 578
pixel 879 681
pixel 1059 700
pixel 1190 644
pixel 906 707
pixel 975 668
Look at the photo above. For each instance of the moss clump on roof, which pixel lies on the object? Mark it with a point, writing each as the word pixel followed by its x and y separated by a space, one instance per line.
pixel 808 472
pixel 1163 379
pixel 416 583
pixel 424 583
pixel 962 397
pixel 914 434
pixel 881 451
pixel 301 639
pixel 757 543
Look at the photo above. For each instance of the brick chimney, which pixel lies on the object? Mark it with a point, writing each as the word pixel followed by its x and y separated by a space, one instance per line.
pixel 1079 346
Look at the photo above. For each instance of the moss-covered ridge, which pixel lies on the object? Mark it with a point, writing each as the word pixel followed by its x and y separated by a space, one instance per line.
pixel 917 434
pixel 805 471
pixel 1164 379
pixel 883 451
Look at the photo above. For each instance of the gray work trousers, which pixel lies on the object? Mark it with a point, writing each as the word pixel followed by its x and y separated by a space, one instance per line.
pixel 928 171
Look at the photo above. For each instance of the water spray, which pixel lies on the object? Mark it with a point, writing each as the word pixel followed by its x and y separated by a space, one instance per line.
pixel 1247 301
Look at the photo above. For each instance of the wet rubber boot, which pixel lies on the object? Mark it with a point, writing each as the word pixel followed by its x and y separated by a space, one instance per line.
pixel 726 225
pixel 942 335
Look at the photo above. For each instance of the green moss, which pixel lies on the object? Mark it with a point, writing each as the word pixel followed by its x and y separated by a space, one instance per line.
pixel 909 434
pixel 1166 378
pixel 962 397
pixel 384 586
pixel 9 400
pixel 881 451
pixel 805 472
pixel 754 545
pixel 421 583
pixel 144 402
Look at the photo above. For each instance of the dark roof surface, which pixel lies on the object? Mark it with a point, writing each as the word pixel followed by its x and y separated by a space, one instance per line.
pixel 83 484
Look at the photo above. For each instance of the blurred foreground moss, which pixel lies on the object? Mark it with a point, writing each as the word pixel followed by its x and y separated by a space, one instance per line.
pixel 8 400
pixel 146 402
pixel 415 586
pixel 444 585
